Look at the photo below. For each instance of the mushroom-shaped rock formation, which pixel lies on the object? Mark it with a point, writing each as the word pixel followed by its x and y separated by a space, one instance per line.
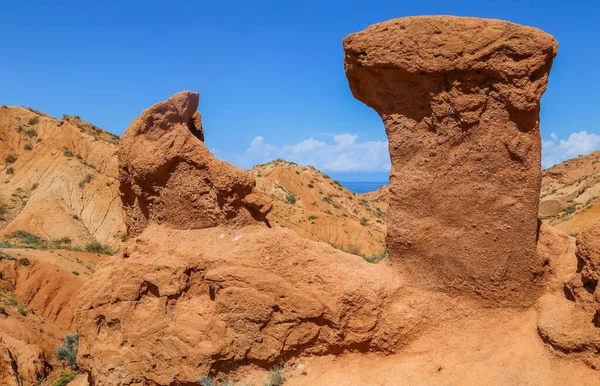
pixel 168 175
pixel 460 101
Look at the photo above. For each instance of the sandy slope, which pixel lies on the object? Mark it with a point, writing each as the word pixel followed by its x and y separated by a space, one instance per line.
pixel 58 178
pixel 570 190
pixel 320 209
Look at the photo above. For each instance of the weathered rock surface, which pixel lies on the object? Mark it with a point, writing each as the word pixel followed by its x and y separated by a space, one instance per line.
pixel 184 304
pixel 460 101
pixel 196 292
pixel 38 292
pixel 570 316
pixel 168 175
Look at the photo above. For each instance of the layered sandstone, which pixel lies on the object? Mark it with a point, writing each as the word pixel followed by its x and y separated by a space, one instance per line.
pixel 460 101
pixel 168 175
pixel 59 178
pixel 570 190
pixel 319 208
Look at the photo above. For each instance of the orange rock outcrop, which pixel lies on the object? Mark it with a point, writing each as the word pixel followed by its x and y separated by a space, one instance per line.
pixel 202 286
pixel 168 175
pixel 460 101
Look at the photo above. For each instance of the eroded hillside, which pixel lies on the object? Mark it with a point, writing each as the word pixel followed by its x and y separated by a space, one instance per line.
pixel 38 295
pixel 570 190
pixel 58 178
pixel 321 209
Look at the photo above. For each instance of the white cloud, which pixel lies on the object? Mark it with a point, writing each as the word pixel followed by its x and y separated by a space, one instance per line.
pixel 555 151
pixel 344 154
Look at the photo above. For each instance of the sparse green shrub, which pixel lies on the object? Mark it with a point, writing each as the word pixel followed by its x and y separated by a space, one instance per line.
pixel 124 237
pixel 86 180
pixel 78 156
pixel 2 310
pixel 102 249
pixel 10 170
pixel 206 381
pixel 291 198
pixel 38 139
pixel 276 377
pixel 10 158
pixel 66 354
pixel 34 121
pixel 24 261
pixel 76 273
pixel 25 237
pixel 328 200
pixel 313 217
pixel 311 186
pixel 570 209
pixel 63 240
pixel 35 186
pixel 22 309
pixel 28 147
pixel 375 258
pixel 20 129
pixel 67 152
pixel 64 379
pixel 364 221
pixel 31 132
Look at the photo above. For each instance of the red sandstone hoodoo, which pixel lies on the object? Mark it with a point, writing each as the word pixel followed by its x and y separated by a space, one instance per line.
pixel 460 100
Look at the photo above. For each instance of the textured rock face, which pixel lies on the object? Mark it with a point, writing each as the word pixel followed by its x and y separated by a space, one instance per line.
pixel 192 295
pixel 569 318
pixel 168 176
pixel 185 304
pixel 460 101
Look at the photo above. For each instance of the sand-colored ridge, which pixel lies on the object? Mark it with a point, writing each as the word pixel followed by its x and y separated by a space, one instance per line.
pixel 321 209
pixel 58 178
pixel 570 191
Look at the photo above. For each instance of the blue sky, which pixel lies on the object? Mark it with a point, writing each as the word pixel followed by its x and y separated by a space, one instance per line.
pixel 270 73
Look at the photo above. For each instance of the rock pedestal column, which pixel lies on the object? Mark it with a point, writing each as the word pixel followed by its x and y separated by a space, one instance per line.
pixel 460 101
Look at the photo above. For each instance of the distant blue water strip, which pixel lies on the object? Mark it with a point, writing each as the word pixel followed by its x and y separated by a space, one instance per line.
pixel 362 186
